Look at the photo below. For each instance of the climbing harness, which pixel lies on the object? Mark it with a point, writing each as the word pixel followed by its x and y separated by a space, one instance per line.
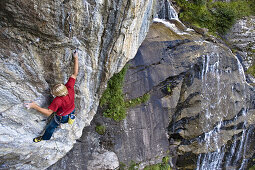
pixel 56 119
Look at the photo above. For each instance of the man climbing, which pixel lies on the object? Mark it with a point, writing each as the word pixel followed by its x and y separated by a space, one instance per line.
pixel 62 105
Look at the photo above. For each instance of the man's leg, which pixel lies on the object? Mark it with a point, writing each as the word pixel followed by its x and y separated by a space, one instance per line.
pixel 48 131
pixel 50 128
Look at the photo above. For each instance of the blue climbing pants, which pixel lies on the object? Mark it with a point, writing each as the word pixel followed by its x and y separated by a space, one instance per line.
pixel 54 123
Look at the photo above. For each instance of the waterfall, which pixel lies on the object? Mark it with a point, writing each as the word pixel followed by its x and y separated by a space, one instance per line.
pixel 169 17
pixel 238 149
pixel 166 10
pixel 223 119
pixel 217 155
pixel 213 95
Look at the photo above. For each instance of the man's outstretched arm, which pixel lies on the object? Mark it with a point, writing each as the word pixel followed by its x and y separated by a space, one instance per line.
pixel 33 105
pixel 76 65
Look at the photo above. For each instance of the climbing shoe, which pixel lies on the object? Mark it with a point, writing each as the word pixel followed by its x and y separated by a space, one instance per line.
pixel 38 139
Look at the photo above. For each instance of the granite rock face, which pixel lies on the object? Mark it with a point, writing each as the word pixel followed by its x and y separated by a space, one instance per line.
pixel 209 103
pixel 198 95
pixel 241 37
pixel 201 85
pixel 37 39
pixel 200 103
pixel 142 137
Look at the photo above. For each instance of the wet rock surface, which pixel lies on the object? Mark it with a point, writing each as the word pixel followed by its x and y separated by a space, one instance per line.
pixel 209 104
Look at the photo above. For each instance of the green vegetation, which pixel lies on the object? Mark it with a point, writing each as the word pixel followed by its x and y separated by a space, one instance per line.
pixel 112 97
pixel 250 48
pixel 122 166
pixel 133 165
pixel 168 88
pixel 252 168
pixel 100 129
pixel 218 17
pixel 112 101
pixel 251 70
pixel 160 166
pixel 137 101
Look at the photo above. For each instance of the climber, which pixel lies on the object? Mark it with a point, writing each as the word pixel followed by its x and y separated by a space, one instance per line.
pixel 62 105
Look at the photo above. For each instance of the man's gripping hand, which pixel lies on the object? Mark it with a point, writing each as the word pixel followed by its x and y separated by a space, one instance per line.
pixel 33 105
pixel 75 54
pixel 76 65
pixel 30 105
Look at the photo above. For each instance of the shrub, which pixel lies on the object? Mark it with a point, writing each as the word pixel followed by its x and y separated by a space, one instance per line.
pixel 112 101
pixel 218 17
pixel 112 98
pixel 252 6
pixel 224 15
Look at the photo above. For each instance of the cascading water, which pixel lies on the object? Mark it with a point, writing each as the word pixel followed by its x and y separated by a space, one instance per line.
pixel 166 10
pixel 238 149
pixel 214 97
pixel 225 130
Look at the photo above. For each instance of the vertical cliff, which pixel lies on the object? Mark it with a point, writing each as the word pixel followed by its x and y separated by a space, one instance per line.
pixel 199 95
pixel 200 112
pixel 37 39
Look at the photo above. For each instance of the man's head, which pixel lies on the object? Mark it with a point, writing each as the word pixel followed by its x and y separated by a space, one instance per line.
pixel 59 90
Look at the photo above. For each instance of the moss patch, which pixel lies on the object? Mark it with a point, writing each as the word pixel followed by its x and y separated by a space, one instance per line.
pixel 100 129
pixel 160 166
pixel 168 88
pixel 251 70
pixel 122 166
pixel 218 16
pixel 137 101
pixel 133 165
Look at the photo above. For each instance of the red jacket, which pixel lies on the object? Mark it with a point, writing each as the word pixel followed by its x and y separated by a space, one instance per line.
pixel 63 105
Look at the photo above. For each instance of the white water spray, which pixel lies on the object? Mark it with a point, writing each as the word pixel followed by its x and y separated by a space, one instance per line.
pixel 214 95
